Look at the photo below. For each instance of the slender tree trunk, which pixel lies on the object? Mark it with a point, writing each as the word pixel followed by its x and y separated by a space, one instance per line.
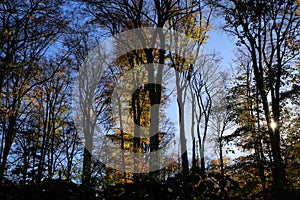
pixel 200 142
pixel 183 150
pixel 87 160
pixel 278 171
pixel 181 84
pixel 70 157
pixel 88 136
pixel 221 155
pixel 9 140
pixel 194 160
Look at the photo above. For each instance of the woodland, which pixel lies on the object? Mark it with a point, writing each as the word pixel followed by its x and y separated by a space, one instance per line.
pixel 81 122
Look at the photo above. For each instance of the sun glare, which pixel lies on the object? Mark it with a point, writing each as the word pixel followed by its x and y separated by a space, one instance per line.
pixel 273 125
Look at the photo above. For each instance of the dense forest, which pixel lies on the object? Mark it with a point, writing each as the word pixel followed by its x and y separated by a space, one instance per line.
pixel 115 99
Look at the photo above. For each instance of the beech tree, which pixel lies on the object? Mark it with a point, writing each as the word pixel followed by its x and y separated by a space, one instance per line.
pixel 118 16
pixel 250 135
pixel 269 32
pixel 27 30
pixel 206 84
pixel 221 122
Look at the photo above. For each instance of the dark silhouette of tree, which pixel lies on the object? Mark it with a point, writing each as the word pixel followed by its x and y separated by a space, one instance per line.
pixel 27 30
pixel 267 30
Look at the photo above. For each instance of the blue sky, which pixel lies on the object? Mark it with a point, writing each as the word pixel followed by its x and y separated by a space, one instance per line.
pixel 222 43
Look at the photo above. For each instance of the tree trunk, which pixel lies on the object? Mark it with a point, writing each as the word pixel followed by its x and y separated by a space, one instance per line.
pixel 181 114
pixel 154 89
pixel 221 155
pixel 86 174
pixel 278 171
pixel 8 143
pixel 194 160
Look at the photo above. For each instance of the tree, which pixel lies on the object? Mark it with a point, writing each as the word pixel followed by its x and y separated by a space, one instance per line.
pixel 184 57
pixel 250 127
pixel 221 122
pixel 207 84
pixel 27 29
pixel 267 30
pixel 90 88
pixel 119 16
